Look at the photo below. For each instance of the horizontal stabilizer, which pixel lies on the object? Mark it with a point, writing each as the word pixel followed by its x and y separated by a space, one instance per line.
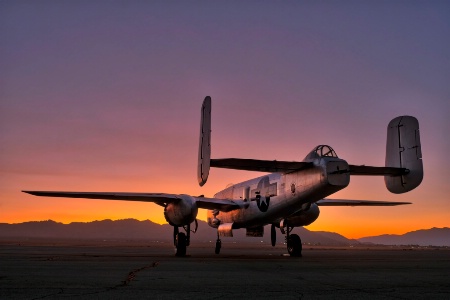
pixel 271 166
pixel 374 171
pixel 344 202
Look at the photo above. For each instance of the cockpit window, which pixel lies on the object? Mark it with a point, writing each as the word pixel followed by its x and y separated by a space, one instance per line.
pixel 320 151
pixel 325 151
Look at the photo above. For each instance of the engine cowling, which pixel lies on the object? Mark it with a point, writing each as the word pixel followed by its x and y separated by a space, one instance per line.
pixel 182 212
pixel 304 217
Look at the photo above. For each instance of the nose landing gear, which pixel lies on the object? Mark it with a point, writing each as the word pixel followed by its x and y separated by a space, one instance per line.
pixel 294 245
pixel 293 241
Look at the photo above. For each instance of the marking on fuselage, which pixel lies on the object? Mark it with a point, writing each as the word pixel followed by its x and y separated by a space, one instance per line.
pixel 263 192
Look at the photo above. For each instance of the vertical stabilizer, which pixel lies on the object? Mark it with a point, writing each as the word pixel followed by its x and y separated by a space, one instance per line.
pixel 403 151
pixel 204 148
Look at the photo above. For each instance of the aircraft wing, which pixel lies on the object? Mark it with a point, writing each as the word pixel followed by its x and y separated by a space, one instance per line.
pixel 271 166
pixel 345 202
pixel 158 198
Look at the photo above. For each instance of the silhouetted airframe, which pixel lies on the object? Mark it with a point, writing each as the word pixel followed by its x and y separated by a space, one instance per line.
pixel 288 197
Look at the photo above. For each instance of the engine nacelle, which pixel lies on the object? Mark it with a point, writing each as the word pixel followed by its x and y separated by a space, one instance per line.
pixel 181 213
pixel 304 218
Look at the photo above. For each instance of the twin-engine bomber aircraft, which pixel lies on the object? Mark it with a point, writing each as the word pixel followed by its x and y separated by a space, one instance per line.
pixel 288 197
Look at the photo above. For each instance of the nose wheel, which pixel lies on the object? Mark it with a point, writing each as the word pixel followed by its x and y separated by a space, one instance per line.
pixel 294 245
pixel 293 241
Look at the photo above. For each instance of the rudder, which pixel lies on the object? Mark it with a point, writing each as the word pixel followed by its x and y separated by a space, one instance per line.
pixel 204 148
pixel 403 150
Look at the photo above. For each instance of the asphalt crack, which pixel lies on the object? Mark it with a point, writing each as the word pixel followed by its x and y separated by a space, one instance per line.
pixel 132 275
pixel 60 292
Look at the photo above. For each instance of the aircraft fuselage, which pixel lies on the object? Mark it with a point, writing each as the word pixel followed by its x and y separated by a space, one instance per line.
pixel 269 199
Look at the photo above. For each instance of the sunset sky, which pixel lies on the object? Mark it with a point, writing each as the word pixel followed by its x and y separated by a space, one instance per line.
pixel 106 96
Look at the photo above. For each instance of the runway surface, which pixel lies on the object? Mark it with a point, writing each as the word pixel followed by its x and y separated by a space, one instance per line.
pixel 118 270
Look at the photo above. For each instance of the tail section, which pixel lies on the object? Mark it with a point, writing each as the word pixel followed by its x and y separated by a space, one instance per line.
pixel 204 149
pixel 403 150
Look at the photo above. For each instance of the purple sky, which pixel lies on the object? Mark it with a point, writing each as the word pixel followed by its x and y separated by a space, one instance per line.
pixel 106 96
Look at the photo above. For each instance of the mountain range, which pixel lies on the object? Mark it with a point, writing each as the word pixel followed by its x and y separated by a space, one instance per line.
pixel 131 229
pixel 424 237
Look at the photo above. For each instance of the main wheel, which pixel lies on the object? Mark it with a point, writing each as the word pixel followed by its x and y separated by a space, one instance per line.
pixel 218 246
pixel 294 245
pixel 181 244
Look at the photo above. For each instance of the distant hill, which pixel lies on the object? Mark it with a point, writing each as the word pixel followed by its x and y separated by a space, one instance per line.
pixel 131 229
pixel 424 237
pixel 106 229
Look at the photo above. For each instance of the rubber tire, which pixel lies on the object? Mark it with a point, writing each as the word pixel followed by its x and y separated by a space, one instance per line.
pixel 294 245
pixel 181 244
pixel 218 246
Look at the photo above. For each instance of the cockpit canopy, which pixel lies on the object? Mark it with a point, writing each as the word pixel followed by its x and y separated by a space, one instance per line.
pixel 321 151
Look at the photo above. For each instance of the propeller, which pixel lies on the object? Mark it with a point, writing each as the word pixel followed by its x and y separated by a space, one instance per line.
pixel 273 235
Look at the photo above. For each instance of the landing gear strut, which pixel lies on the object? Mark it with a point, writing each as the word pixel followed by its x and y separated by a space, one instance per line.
pixel 181 244
pixel 293 242
pixel 217 223
pixel 218 244
pixel 181 240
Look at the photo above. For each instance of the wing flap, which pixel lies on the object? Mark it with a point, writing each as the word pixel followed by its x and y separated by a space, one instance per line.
pixel 214 203
pixel 345 202
pixel 271 166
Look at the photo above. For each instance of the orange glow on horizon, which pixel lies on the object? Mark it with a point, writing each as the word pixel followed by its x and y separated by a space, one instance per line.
pixel 350 222
pixel 348 230
pixel 347 221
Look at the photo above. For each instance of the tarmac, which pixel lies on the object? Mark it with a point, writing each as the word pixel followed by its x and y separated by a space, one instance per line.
pixel 150 270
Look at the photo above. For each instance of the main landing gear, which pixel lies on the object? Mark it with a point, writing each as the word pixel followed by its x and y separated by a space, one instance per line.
pixel 293 241
pixel 181 240
pixel 218 244
pixel 294 245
